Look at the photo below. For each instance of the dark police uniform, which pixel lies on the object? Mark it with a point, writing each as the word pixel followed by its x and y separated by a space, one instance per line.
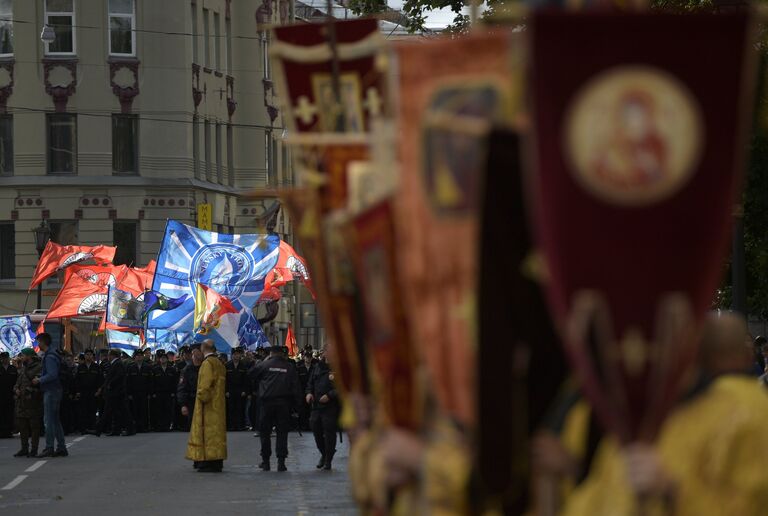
pixel 88 379
pixel 115 416
pixel 139 391
pixel 277 384
pixel 324 419
pixel 186 393
pixel 8 376
pixel 237 392
pixel 67 408
pixel 164 398
pixel 304 372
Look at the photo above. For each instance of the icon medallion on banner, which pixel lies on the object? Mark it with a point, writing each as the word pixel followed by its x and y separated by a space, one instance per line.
pixel 633 135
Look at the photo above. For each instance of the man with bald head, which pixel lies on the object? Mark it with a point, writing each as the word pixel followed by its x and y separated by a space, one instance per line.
pixel 711 453
pixel 207 445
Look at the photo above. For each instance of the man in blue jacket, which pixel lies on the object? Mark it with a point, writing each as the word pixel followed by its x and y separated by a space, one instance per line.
pixel 52 393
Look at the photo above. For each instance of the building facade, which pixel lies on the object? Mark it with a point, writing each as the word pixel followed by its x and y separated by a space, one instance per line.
pixel 136 111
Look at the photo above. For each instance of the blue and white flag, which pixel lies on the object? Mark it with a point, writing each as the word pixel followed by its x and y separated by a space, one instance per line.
pixel 16 333
pixel 123 340
pixel 232 265
pixel 166 340
pixel 251 335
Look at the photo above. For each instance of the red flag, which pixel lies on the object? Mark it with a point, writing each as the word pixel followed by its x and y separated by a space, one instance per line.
pixel 40 328
pixel 290 342
pixel 102 275
pixel 78 297
pixel 135 281
pixel 270 294
pixel 150 268
pixel 57 257
pixel 290 266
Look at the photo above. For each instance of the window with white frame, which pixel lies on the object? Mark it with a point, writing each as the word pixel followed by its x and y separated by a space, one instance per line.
pixel 6 27
pixel 60 16
pixel 122 35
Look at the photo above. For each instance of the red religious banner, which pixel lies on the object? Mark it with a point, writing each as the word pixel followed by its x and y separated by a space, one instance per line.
pixel 386 335
pixel 336 297
pixel 327 75
pixel 637 163
pixel 57 257
pixel 447 109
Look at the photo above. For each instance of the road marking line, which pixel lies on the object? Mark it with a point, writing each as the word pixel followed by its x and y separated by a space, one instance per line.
pixel 79 439
pixel 34 467
pixel 13 483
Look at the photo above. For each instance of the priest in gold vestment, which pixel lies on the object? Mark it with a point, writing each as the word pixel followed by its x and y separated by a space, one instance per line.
pixel 207 445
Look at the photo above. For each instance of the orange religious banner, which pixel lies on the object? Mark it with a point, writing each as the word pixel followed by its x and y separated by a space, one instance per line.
pixel 447 108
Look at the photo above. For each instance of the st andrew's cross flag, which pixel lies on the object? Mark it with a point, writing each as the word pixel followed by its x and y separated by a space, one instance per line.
pixel 57 257
pixel 232 265
pixel 166 340
pixel 16 334
pixel 123 340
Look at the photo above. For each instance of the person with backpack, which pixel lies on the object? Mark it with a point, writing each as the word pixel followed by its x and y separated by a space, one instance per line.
pixel 53 391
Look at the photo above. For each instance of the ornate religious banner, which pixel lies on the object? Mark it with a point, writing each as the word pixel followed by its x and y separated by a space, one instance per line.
pixel 328 75
pixel 447 108
pixel 637 163
pixel 389 342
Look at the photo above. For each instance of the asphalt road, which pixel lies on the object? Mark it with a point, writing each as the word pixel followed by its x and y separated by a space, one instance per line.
pixel 147 474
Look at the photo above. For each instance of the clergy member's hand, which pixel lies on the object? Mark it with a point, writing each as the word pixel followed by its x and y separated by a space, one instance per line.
pixel 324 398
pixel 550 457
pixel 310 399
pixel 35 381
pixel 645 472
pixel 184 411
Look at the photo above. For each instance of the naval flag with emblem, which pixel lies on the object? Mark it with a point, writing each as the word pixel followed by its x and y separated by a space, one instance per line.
pixel 123 340
pixel 210 307
pixel 57 257
pixel 233 266
pixel 78 297
pixel 123 310
pixel 166 340
pixel 16 334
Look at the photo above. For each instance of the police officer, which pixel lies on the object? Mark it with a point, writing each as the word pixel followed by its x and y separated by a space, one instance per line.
pixel 304 368
pixel 67 408
pixel 8 376
pixel 186 393
pixel 236 390
pixel 139 390
pixel 321 394
pixel 115 415
pixel 88 379
pixel 166 379
pixel 279 391
pixel 180 421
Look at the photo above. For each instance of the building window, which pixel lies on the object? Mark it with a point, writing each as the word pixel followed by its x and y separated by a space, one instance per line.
pixel 219 164
pixel 60 15
pixel 124 236
pixel 265 56
pixel 125 144
pixel 228 29
pixel 6 145
pixel 230 156
pixel 195 34
pixel 122 17
pixel 7 251
pixel 196 146
pixel 217 40
pixel 208 160
pixel 64 232
pixel 206 39
pixel 6 27
pixel 62 143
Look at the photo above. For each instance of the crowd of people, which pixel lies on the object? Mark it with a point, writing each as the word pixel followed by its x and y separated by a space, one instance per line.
pixel 108 392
